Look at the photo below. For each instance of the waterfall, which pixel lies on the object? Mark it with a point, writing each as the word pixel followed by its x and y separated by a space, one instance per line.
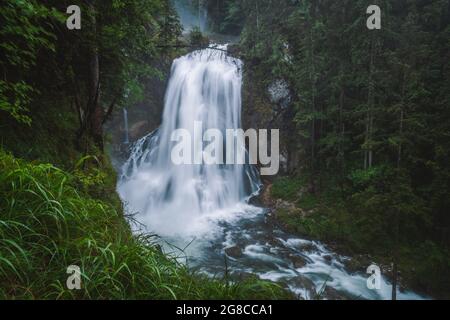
pixel 125 125
pixel 205 86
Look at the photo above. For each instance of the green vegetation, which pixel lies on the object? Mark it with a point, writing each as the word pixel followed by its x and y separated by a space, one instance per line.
pixel 285 188
pixel 48 224
pixel 23 35
pixel 108 64
pixel 197 39
pixel 52 110
pixel 226 16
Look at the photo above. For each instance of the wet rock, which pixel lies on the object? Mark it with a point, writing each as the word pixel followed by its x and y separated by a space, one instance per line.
pixel 139 130
pixel 297 261
pixel 332 294
pixel 328 258
pixel 284 163
pixel 234 252
pixel 307 247
pixel 234 50
pixel 302 283
pixel 255 201
pixel 279 93
pixel 358 263
pixel 266 198
pixel 289 208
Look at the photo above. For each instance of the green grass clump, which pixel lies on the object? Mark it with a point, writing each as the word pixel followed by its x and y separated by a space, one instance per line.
pixel 46 225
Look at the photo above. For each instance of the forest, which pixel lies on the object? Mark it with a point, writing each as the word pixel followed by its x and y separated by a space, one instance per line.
pixel 364 120
pixel 366 128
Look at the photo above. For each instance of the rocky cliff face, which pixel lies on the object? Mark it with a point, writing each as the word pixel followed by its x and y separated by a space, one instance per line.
pixel 267 104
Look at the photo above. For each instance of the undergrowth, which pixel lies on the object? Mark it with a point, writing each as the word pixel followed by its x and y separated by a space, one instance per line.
pixel 48 224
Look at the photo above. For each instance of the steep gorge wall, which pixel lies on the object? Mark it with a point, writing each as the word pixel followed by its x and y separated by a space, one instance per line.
pixel 267 105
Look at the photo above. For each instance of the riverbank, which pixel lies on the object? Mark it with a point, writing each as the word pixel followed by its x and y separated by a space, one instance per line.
pixel 297 211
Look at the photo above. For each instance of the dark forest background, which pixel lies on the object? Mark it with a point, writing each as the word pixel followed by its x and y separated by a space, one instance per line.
pixel 365 127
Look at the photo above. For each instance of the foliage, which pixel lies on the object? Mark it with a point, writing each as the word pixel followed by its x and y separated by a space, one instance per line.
pixel 24 35
pixel 47 225
pixel 227 16
pixel 40 56
pixel 197 39
pixel 285 188
pixel 369 118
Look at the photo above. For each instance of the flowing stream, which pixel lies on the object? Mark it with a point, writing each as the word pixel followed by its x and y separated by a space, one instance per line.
pixel 206 210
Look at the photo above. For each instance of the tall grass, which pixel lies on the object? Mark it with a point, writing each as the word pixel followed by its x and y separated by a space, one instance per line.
pixel 47 225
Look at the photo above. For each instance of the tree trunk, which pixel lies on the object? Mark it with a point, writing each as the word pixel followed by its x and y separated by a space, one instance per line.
pixel 341 133
pixel 396 221
pixel 313 101
pixel 257 17
pixel 96 113
pixel 368 152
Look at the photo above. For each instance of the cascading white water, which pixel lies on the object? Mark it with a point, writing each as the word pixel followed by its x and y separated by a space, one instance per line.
pixel 205 86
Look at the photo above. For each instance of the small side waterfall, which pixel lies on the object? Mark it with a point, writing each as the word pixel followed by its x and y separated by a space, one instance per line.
pixel 126 126
pixel 205 86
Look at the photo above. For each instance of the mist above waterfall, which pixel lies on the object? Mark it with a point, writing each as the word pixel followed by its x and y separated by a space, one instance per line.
pixel 191 15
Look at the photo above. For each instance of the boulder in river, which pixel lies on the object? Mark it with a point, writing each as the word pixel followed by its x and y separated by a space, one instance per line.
pixel 297 261
pixel 138 130
pixel 301 283
pixel 234 252
pixel 308 247
pixel 332 294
